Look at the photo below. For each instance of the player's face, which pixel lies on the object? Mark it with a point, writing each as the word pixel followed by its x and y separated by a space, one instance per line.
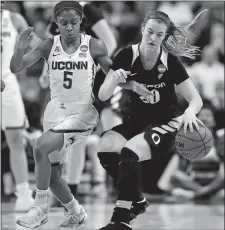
pixel 68 22
pixel 153 34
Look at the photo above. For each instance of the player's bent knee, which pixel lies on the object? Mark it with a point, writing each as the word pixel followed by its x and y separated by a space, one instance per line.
pixel 38 150
pixel 140 147
pixel 111 142
pixel 92 140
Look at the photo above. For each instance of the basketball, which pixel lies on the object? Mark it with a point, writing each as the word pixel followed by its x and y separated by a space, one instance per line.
pixel 194 145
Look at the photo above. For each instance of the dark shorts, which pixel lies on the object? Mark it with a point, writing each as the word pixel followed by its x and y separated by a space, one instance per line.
pixel 160 137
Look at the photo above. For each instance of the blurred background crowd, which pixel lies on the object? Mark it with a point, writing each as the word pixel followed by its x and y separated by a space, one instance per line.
pixel 170 178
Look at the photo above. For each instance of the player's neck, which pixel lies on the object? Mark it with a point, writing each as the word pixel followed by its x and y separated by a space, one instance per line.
pixel 148 54
pixel 67 44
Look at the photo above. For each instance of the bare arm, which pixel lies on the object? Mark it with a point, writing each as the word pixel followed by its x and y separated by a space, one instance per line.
pixel 100 55
pixel 21 25
pixel 21 61
pixel 104 32
pixel 190 93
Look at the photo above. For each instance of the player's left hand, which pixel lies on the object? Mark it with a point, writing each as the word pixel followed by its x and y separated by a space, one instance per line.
pixel 2 85
pixel 189 119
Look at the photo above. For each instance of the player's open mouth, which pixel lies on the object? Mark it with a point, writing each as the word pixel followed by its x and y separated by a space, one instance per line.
pixel 152 44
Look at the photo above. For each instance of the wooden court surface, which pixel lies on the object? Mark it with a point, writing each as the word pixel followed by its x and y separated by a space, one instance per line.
pixel 159 216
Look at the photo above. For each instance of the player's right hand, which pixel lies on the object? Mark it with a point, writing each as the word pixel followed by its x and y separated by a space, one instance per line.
pixel 120 75
pixel 25 38
pixel 141 90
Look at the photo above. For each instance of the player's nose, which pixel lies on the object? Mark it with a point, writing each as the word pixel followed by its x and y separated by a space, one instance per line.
pixel 69 27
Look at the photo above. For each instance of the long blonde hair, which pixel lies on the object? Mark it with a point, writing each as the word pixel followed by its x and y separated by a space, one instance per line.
pixel 177 40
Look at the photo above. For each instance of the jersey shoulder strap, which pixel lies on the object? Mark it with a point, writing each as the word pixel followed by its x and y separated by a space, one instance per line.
pixel 135 53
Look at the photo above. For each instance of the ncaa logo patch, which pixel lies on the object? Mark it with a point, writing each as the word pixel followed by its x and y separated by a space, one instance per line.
pixel 70 141
pixel 83 48
pixel 161 68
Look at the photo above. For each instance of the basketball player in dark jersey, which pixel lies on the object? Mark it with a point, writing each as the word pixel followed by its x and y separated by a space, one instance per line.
pixel 151 70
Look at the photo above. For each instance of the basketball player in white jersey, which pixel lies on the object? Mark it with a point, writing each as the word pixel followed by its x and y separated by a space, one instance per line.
pixel 14 119
pixel 70 116
pixel 97 27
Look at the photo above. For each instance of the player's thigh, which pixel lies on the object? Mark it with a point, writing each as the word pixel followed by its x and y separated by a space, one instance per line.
pixel 140 146
pixel 111 141
pixel 13 112
pixel 49 142
pixel 109 119
pixel 14 137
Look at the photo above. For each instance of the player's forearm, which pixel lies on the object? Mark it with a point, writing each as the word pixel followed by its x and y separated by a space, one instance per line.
pixel 107 89
pixel 16 63
pixel 128 85
pixel 195 105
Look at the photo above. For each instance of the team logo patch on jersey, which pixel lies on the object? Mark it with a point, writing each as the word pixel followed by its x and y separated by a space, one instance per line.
pixel 70 141
pixel 56 49
pixel 156 138
pixel 82 55
pixel 83 48
pixel 161 68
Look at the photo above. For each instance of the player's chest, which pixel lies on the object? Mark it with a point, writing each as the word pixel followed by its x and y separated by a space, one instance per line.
pixel 61 62
pixel 157 77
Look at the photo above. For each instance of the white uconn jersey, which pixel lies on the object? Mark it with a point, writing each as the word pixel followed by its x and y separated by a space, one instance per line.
pixel 8 41
pixel 71 75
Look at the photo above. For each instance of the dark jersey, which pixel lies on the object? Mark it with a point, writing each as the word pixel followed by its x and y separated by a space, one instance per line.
pixel 160 80
pixel 93 15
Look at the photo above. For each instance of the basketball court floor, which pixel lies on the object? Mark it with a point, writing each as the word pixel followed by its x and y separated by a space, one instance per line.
pixel 160 216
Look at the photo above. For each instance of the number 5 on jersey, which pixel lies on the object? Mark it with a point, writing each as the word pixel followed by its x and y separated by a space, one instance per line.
pixel 67 80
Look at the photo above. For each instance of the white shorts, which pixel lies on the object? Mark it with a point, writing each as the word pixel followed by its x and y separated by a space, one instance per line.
pixel 13 111
pixel 74 122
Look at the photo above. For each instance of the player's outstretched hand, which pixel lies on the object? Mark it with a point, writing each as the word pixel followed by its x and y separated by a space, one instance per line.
pixel 25 38
pixel 2 85
pixel 120 75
